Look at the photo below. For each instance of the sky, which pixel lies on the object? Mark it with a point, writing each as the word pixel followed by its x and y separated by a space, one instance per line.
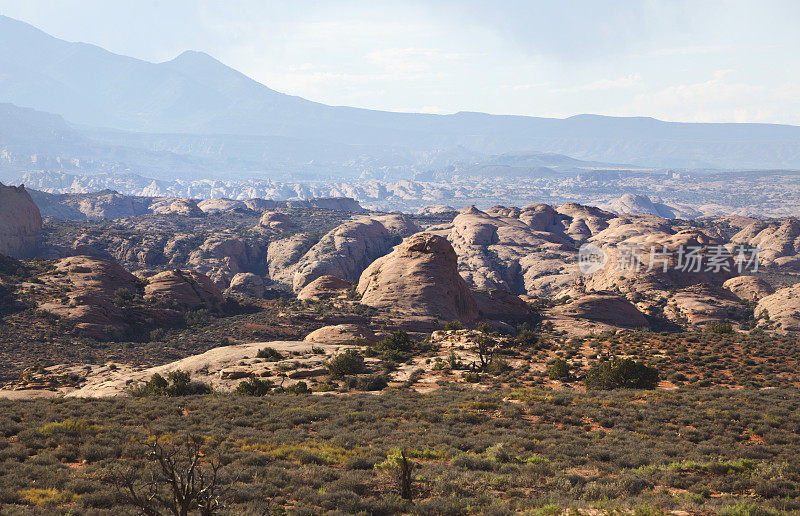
pixel 681 60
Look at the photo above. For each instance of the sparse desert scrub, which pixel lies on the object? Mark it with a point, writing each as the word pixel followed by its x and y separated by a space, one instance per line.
pixel 699 450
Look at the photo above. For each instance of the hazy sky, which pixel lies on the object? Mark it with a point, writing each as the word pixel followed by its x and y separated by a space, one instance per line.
pixel 694 60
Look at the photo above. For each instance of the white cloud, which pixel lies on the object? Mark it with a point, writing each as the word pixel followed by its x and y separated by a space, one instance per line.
pixel 413 59
pixel 633 80
pixel 720 99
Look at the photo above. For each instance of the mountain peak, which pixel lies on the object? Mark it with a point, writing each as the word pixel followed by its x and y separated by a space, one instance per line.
pixel 196 57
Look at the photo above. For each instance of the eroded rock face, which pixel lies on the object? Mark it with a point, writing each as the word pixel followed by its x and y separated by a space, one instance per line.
pixel 283 255
pixel 605 308
pixel 782 309
pixel 246 284
pixel 87 288
pixel 748 288
pixel 324 287
pixel 436 209
pixel 503 252
pixel 420 277
pixel 658 270
pixel 779 241
pixel 20 222
pixel 349 248
pixel 222 257
pixel 702 304
pixel 188 289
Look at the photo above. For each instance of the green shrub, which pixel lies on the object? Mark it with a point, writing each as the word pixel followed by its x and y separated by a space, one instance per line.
pixel 453 325
pixel 720 327
pixel 254 387
pixel 397 347
pixel 70 427
pixel 559 370
pixel 343 364
pixel 177 383
pixel 374 382
pixel 269 354
pixel 622 373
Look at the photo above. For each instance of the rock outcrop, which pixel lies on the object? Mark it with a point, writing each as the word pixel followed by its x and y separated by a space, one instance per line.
pixel 779 241
pixel 341 334
pixel 652 260
pixel 420 277
pixel 605 308
pixel 283 255
pixel 349 248
pixel 20 222
pixel 436 209
pixel 276 221
pixel 185 207
pixel 246 284
pixel 749 288
pixel 85 290
pixel 782 309
pixel 498 251
pixel 187 289
pixel 221 205
pixel 324 287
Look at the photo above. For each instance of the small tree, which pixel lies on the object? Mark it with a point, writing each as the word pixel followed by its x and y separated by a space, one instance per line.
pixel 343 364
pixel 400 469
pixel 559 370
pixel 622 373
pixel 485 347
pixel 176 484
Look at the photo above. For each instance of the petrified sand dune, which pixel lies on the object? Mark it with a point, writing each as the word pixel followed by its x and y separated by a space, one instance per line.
pixel 777 240
pixel 605 308
pixel 88 286
pixel 349 248
pixel 341 334
pixel 323 287
pixel 749 288
pixel 246 284
pixel 189 289
pixel 420 277
pixel 782 308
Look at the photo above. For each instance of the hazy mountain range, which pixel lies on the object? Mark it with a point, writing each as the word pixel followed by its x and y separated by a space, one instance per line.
pixel 195 117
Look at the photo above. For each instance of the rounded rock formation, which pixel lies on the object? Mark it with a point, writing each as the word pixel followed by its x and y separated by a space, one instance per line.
pixel 246 284
pixel 188 289
pixel 341 334
pixel 420 277
pixel 324 287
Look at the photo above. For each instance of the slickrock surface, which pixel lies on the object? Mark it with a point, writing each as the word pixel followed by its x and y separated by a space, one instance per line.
pixel 348 249
pixel 605 308
pixel 779 241
pixel 341 334
pixel 276 221
pixel 185 207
